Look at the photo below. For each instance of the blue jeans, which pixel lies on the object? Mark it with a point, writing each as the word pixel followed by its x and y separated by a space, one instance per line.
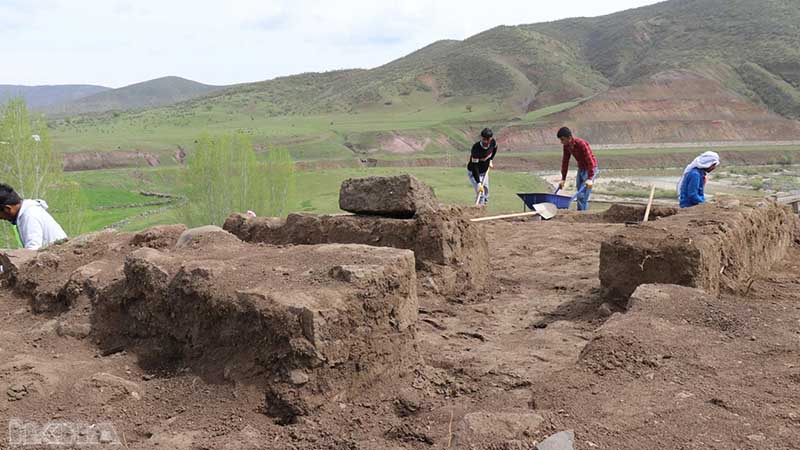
pixel 583 197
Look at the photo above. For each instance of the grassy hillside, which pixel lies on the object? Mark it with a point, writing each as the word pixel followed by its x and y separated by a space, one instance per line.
pixel 715 37
pixel 439 96
pixel 39 97
pixel 148 94
pixel 527 67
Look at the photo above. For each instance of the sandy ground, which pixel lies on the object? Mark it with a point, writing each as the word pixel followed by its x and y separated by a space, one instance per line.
pixel 535 353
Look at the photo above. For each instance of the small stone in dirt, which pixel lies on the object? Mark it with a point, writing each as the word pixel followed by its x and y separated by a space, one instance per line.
pixel 407 404
pixel 190 235
pixel 16 392
pixel 605 310
pixel 481 425
pixel 406 433
pixel 298 377
pixel 115 386
pixel 757 437
pixel 564 440
pixel 77 330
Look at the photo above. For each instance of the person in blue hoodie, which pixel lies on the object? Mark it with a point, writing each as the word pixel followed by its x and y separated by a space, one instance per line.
pixel 691 186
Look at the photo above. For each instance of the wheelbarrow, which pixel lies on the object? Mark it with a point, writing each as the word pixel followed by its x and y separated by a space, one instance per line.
pixel 561 201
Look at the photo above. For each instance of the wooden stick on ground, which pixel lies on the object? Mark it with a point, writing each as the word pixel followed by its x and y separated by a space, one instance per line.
pixel 649 204
pixel 505 216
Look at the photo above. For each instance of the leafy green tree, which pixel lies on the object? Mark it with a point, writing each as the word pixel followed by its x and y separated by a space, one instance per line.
pixel 224 176
pixel 27 159
pixel 30 164
pixel 280 181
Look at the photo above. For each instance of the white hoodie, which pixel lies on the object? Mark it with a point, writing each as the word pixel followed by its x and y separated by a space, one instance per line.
pixel 36 226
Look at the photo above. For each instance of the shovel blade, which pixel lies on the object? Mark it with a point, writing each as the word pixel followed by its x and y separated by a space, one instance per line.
pixel 546 210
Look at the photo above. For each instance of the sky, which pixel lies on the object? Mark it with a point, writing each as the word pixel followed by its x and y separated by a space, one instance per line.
pixel 119 42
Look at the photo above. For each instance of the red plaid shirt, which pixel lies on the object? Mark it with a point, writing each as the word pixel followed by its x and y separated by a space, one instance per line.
pixel 583 154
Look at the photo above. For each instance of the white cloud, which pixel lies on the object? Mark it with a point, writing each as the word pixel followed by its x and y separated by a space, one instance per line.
pixel 115 43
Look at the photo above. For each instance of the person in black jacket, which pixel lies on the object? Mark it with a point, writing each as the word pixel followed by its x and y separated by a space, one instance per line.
pixel 480 160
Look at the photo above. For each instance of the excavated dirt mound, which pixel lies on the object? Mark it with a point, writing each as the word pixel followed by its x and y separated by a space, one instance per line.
pixel 535 352
pixel 619 214
pixel 707 246
pixel 450 251
pixel 307 323
pixel 684 369
pixel 304 323
pixel 57 277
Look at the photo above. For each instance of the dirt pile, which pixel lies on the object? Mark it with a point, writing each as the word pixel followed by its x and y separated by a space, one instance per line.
pixel 399 196
pixel 537 351
pixel 302 323
pixel 57 277
pixel 708 246
pixel 677 354
pixel 451 252
pixel 619 214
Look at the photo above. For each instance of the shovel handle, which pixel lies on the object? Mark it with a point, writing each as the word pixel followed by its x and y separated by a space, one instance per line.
pixel 574 197
pixel 480 185
pixel 505 216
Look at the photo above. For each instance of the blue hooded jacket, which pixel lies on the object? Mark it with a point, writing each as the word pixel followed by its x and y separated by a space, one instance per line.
pixel 693 188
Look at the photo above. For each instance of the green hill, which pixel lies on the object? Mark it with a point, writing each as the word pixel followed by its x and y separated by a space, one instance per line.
pixel 736 62
pixel 148 94
pixel 751 46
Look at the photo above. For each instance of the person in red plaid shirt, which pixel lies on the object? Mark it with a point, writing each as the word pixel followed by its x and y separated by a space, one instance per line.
pixel 587 165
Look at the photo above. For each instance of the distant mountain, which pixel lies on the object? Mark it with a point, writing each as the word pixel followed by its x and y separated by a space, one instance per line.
pixel 751 47
pixel 149 94
pixel 38 97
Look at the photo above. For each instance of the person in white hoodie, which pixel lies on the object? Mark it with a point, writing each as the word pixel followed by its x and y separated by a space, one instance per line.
pixel 36 227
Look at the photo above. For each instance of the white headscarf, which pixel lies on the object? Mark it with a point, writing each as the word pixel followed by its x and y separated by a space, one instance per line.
pixel 703 161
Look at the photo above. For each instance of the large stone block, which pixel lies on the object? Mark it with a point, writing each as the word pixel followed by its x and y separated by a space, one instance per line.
pixel 399 196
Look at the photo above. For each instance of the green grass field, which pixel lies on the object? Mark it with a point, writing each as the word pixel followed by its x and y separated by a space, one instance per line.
pixel 113 195
pixel 317 192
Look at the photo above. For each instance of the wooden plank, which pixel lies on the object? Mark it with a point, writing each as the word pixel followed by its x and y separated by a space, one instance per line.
pixel 649 204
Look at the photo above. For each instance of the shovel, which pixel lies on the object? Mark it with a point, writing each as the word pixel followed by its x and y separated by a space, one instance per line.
pixel 480 185
pixel 546 210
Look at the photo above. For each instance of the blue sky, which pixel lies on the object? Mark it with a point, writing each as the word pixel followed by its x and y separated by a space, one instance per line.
pixel 118 42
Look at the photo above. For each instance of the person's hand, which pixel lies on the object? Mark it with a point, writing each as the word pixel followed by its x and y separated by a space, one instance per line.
pixel 561 184
pixel 589 184
pixel 491 164
pixel 480 189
